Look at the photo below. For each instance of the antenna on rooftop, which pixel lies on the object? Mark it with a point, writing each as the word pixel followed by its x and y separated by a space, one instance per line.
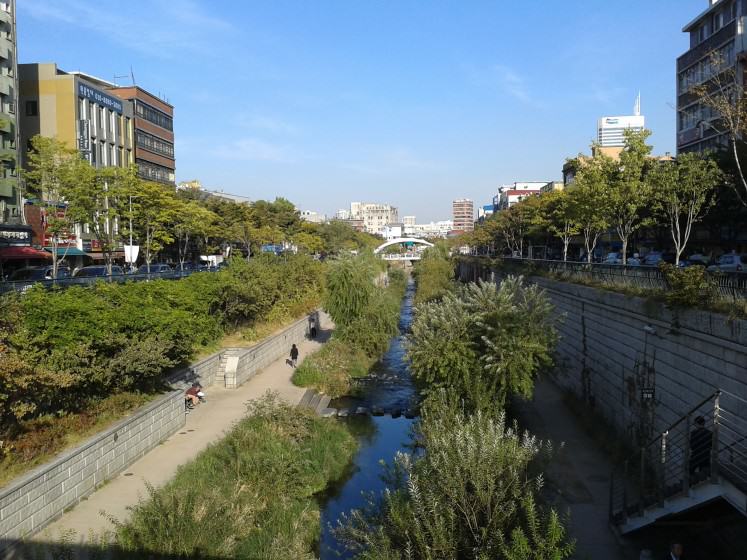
pixel 637 106
pixel 132 75
pixel 117 77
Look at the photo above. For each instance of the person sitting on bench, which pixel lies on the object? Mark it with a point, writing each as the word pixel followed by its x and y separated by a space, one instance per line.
pixel 193 394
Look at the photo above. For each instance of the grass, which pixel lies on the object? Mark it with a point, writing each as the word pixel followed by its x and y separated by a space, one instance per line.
pixel 37 441
pixel 251 495
pixel 332 369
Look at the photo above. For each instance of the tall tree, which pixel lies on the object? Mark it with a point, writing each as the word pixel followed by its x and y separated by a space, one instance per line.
pixel 684 192
pixel 192 221
pixel 49 175
pixel 155 213
pixel 629 191
pixel 590 199
pixel 558 214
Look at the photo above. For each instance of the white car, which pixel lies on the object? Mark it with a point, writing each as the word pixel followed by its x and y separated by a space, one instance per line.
pixel 730 263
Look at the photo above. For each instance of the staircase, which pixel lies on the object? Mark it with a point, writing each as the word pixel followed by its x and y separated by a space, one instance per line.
pixel 678 471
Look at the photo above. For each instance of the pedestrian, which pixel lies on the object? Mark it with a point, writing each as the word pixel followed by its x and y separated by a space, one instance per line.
pixel 675 551
pixel 312 327
pixel 701 441
pixel 294 355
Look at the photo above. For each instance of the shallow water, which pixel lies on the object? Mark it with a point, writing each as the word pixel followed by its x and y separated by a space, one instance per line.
pixel 389 387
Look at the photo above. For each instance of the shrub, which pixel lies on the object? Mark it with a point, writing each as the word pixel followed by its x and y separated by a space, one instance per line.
pixel 434 274
pixel 689 287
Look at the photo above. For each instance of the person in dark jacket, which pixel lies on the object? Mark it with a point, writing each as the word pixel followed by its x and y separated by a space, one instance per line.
pixel 294 355
pixel 701 440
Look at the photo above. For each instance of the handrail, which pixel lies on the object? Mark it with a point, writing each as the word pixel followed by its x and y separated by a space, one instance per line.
pixel 684 417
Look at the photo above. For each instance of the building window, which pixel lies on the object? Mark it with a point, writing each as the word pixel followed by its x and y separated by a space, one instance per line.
pixel 153 115
pixel 32 109
pixel 154 172
pixel 154 144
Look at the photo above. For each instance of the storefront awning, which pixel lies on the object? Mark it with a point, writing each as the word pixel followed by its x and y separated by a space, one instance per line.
pixel 66 251
pixel 21 253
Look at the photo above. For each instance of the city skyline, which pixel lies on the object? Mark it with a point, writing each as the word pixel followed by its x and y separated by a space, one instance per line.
pixel 317 103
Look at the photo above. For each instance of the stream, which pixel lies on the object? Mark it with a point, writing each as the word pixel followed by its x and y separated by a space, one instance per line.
pixel 389 387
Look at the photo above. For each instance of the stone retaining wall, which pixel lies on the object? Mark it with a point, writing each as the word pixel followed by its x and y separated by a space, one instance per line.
pixel 615 349
pixel 243 364
pixel 39 497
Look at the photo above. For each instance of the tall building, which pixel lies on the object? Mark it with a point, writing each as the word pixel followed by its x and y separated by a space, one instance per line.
pixel 719 30
pixel 428 231
pixel 409 220
pixel 76 109
pixel 463 210
pixel 10 198
pixel 375 217
pixel 154 134
pixel 611 130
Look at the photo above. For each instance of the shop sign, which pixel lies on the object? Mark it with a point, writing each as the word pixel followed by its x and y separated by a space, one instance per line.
pixel 15 237
pixel 100 97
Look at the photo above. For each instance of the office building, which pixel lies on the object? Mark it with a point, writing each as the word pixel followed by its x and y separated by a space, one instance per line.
pixel 409 220
pixel 484 212
pixel 718 30
pixel 78 110
pixel 375 216
pixel 154 133
pixel 463 211
pixel 611 130
pixel 432 230
pixel 11 206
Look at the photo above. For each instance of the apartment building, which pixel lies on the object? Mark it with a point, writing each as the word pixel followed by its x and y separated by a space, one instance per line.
pixel 375 217
pixel 463 210
pixel 719 30
pixel 10 198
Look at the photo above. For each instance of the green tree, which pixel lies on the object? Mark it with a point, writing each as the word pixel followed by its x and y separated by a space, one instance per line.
pixel 434 274
pixel 191 221
pixel 154 214
pixel 49 175
pixel 683 191
pixel 557 209
pixel 629 192
pixel 589 197
pixel 349 288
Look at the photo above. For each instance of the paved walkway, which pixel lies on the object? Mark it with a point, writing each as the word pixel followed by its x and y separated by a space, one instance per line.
pixel 205 424
pixel 577 476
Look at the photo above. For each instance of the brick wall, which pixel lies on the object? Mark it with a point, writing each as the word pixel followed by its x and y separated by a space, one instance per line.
pixel 39 497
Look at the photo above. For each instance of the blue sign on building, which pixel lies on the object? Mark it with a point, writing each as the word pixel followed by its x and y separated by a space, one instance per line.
pixel 100 97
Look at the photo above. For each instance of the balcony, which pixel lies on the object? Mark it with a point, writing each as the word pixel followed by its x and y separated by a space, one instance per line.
pixel 733 29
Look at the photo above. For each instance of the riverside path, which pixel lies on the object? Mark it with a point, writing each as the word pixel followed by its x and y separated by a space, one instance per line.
pixel 206 424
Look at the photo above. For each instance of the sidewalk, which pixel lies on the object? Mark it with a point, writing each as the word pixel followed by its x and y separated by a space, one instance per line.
pixel 205 424
pixel 577 477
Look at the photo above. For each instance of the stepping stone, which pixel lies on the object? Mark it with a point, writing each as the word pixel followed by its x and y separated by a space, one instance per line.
pixel 328 412
pixel 377 411
pixel 323 403
pixel 396 413
pixel 307 397
pixel 343 412
pixel 361 410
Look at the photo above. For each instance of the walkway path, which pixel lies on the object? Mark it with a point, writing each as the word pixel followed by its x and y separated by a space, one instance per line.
pixel 205 424
pixel 578 475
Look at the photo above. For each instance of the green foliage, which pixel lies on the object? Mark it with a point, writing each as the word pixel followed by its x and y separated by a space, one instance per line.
pixel 434 275
pixel 469 495
pixel 249 496
pixel 689 287
pixel 59 349
pixel 348 290
pixel 485 342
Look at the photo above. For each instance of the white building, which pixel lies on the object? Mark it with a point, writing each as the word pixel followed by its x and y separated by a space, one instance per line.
pixel 375 216
pixel 409 220
pixel 431 230
pixel 313 217
pixel 393 231
pixel 610 130
pixel 342 214
pixel 508 195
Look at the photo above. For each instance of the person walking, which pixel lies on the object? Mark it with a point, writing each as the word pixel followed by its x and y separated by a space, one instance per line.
pixel 701 440
pixel 294 355
pixel 675 551
pixel 312 327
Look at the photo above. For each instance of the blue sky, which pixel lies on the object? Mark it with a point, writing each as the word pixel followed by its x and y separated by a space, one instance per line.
pixel 409 102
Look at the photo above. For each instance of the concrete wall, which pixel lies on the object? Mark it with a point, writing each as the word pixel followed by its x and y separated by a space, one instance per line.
pixel 207 372
pixel 612 346
pixel 243 364
pixel 36 499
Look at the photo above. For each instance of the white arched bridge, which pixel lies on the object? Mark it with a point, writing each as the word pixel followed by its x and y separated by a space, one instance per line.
pixel 409 255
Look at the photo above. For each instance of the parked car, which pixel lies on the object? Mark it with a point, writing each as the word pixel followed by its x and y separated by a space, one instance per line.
pixel 655 257
pixel 191 267
pixel 700 258
pixel 730 263
pixel 98 271
pixel 687 263
pixel 613 258
pixel 155 268
pixel 39 273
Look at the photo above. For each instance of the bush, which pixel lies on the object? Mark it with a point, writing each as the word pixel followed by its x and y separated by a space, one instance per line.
pixel 98 340
pixel 689 287
pixel 434 275
pixel 249 496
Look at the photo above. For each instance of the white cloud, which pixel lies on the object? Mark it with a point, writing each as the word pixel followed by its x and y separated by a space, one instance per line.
pixel 162 28
pixel 254 149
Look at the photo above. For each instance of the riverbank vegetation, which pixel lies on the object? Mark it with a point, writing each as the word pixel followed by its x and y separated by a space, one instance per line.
pixel 251 495
pixel 63 352
pixel 471 489
pixel 366 317
pixel 434 274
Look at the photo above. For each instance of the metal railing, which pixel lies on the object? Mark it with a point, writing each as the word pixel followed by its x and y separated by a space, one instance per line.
pixel 730 285
pixel 24 285
pixel 707 444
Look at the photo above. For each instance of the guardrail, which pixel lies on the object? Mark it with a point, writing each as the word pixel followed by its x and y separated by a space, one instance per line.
pixel 24 285
pixel 731 285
